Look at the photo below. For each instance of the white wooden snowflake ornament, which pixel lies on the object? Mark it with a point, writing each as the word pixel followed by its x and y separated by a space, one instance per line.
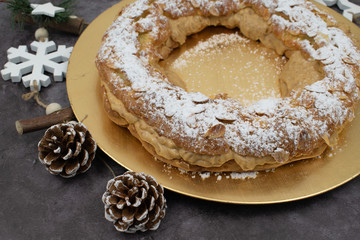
pixel 327 2
pixel 46 58
pixel 350 10
pixel 47 9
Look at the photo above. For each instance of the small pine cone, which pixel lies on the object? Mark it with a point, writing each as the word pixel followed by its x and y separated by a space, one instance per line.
pixel 134 201
pixel 67 149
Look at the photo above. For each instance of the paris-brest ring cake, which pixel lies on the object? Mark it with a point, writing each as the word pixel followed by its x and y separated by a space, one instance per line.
pixel 319 83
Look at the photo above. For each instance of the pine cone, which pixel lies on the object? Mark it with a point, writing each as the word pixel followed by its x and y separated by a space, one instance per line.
pixel 134 201
pixel 67 149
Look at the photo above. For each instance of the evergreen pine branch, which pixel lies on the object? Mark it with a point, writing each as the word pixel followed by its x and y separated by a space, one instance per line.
pixel 21 10
pixel 68 5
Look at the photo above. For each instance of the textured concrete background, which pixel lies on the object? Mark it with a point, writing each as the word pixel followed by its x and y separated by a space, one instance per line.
pixel 37 205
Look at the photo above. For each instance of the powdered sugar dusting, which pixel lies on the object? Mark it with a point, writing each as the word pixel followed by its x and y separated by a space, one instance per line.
pixel 278 129
pixel 244 175
pixel 204 176
pixel 214 43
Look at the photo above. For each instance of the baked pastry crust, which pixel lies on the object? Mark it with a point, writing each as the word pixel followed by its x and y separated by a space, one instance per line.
pixel 197 133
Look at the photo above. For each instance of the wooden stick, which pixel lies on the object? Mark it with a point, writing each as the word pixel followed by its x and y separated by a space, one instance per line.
pixel 34 124
pixel 74 25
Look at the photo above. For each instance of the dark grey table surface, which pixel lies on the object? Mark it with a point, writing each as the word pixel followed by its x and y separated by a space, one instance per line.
pixel 37 205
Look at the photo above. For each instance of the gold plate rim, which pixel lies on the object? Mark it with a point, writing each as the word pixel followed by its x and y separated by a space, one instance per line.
pixel 82 78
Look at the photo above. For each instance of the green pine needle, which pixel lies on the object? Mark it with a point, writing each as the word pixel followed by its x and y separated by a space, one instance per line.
pixel 21 10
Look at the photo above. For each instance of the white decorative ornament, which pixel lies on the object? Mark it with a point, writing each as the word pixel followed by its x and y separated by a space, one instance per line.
pixel 350 10
pixel 52 107
pixel 327 2
pixel 47 58
pixel 41 34
pixel 47 9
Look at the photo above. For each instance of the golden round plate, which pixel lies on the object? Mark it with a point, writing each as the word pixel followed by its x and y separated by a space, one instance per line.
pixel 288 183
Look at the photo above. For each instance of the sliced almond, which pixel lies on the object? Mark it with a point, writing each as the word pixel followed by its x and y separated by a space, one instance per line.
pixel 169 112
pixel 225 117
pixel 357 83
pixel 348 60
pixel 308 102
pixel 326 139
pixel 322 54
pixel 198 109
pixel 215 131
pixel 330 140
pixel 328 61
pixel 224 120
pixel 199 98
pixel 294 31
pixel 196 3
pixel 214 11
pixel 343 97
pixel 280 155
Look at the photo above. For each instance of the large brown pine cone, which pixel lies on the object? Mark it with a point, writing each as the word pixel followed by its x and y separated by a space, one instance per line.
pixel 67 149
pixel 134 201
